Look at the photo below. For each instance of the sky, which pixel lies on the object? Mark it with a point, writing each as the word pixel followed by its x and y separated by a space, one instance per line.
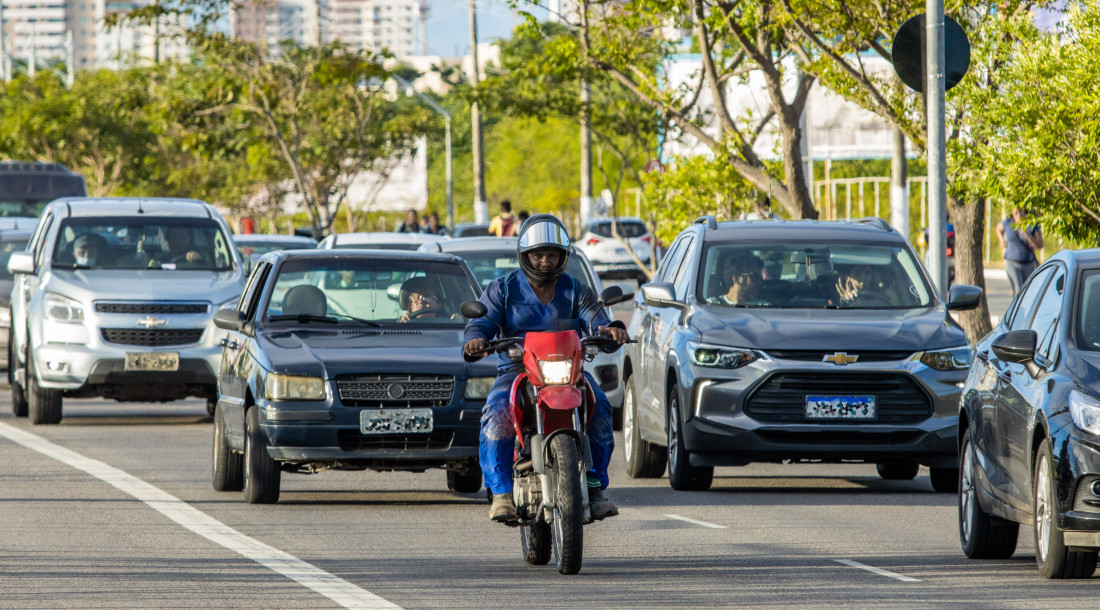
pixel 449 25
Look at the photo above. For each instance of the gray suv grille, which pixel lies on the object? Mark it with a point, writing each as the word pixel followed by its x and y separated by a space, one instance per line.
pixel 152 308
pixel 151 337
pixel 395 390
pixel 781 398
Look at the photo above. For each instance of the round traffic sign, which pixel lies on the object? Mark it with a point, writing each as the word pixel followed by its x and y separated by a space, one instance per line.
pixel 907 52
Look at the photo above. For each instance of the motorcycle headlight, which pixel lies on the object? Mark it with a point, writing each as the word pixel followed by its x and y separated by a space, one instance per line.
pixel 293 387
pixel 556 371
pixel 477 388
pixel 61 309
pixel 1085 411
pixel 721 357
pixel 954 359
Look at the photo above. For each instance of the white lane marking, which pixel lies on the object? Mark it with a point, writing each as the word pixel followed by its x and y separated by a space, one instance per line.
pixel 697 522
pixel 879 571
pixel 337 589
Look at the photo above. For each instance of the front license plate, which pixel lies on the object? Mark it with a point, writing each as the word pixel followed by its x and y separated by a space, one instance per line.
pixel 840 407
pixel 155 361
pixel 396 421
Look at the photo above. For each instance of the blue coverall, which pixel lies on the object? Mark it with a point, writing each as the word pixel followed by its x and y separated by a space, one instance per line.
pixel 513 306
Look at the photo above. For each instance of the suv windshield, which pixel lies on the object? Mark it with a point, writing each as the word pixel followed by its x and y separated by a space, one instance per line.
pixel 849 276
pixel 380 291
pixel 149 242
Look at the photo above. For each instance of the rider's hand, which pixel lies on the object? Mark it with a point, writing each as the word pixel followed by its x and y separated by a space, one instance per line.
pixel 616 333
pixel 475 346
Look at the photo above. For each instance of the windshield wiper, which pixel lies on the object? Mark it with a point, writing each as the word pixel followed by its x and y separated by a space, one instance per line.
pixel 360 320
pixel 304 317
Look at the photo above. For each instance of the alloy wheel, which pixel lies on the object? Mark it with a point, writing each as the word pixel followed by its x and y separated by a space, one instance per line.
pixel 628 420
pixel 967 492
pixel 1043 508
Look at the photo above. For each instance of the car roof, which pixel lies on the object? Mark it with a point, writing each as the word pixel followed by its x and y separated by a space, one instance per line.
pixel 868 230
pixel 18 223
pixel 266 238
pixel 1088 257
pixel 478 243
pixel 81 207
pixel 380 237
pixel 359 253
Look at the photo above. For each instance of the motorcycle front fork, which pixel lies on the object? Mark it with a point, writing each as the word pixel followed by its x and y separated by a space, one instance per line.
pixel 545 478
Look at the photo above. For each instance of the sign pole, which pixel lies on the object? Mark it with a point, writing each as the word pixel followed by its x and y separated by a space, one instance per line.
pixel 935 105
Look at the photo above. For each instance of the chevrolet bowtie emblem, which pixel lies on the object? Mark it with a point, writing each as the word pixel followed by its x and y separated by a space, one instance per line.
pixel 840 358
pixel 151 322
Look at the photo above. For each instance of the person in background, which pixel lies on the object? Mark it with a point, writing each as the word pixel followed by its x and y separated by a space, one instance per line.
pixel 433 227
pixel 410 224
pixel 521 217
pixel 1019 247
pixel 503 224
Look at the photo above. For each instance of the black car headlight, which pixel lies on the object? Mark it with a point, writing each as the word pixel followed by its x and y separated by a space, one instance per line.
pixel 953 359
pixel 721 357
pixel 1085 411
pixel 477 388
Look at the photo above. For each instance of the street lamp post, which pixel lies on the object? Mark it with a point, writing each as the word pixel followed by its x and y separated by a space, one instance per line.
pixel 447 144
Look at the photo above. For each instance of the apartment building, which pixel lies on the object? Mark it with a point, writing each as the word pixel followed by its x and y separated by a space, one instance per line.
pixel 361 24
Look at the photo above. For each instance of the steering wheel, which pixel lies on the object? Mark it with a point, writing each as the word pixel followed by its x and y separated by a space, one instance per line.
pixel 420 313
pixel 872 299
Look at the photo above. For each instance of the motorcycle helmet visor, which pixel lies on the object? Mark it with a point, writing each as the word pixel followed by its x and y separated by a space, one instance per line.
pixel 543 234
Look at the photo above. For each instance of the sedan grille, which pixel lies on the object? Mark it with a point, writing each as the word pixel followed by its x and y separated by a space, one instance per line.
pixel 152 308
pixel 395 390
pixel 781 398
pixel 153 337
pixel 352 440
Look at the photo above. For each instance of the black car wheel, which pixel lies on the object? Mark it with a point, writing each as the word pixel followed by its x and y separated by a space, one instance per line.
pixel 227 468
pixel 898 470
pixel 982 536
pixel 18 397
pixel 643 460
pixel 464 483
pixel 43 405
pixel 944 480
pixel 1054 559
pixel 261 473
pixel 682 476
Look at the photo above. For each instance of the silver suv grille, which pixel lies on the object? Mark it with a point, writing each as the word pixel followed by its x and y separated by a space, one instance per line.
pixel 781 398
pixel 151 337
pixel 395 390
pixel 152 308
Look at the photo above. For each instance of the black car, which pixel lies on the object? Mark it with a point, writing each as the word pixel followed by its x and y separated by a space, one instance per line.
pixel 14 240
pixel 350 360
pixel 756 343
pixel 1029 425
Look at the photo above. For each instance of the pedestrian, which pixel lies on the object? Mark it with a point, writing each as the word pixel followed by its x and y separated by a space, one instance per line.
pixel 1019 243
pixel 520 219
pixel 433 227
pixel 503 224
pixel 410 224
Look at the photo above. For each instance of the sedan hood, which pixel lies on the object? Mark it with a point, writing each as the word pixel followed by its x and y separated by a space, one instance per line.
pixel 827 329
pixel 146 285
pixel 330 352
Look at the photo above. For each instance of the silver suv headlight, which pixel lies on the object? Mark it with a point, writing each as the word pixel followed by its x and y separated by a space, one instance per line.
pixel 952 359
pixel 62 309
pixel 721 357
pixel 1085 411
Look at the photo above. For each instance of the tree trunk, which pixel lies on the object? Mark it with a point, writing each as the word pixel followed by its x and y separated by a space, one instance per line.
pixel 969 221
pixel 793 167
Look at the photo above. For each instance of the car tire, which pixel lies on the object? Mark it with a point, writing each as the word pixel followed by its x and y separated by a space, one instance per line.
pixel 944 480
pixel 43 404
pixel 617 417
pixel 682 476
pixel 898 470
pixel 982 536
pixel 228 471
pixel 211 405
pixel 1054 558
pixel 643 459
pixel 261 473
pixel 468 483
pixel 18 396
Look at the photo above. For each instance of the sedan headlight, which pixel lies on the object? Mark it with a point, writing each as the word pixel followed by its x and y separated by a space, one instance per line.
pixel 294 387
pixel 954 359
pixel 477 388
pixel 556 371
pixel 61 309
pixel 721 357
pixel 1085 411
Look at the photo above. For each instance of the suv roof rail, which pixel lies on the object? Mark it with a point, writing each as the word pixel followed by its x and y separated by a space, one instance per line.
pixel 875 221
pixel 709 220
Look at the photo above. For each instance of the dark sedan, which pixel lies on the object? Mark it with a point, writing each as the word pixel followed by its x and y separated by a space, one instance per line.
pixel 14 240
pixel 1029 427
pixel 345 359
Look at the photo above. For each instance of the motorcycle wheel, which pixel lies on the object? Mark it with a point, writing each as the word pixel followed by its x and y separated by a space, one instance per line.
pixel 568 526
pixel 537 545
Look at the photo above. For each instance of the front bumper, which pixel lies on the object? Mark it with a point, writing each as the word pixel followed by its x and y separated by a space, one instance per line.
pixel 1079 509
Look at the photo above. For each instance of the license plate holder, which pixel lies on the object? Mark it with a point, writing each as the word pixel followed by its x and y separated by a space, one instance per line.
pixel 152 361
pixel 841 407
pixel 396 421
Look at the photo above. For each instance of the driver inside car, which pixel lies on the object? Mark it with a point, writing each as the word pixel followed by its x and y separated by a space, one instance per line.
pixel 419 299
pixel 535 298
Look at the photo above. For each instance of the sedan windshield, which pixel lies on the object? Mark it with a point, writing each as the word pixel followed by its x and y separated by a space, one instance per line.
pixel 370 291
pixel 488 265
pixel 850 276
pixel 142 242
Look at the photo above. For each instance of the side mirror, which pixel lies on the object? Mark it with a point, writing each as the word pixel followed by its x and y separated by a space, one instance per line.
pixel 660 294
pixel 963 296
pixel 229 319
pixel 21 262
pixel 474 309
pixel 1018 346
pixel 615 294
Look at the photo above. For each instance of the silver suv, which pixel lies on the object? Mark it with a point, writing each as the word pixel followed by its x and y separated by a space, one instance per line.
pixel 115 298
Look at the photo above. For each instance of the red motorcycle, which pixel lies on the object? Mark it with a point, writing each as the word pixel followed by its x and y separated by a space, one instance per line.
pixel 552 404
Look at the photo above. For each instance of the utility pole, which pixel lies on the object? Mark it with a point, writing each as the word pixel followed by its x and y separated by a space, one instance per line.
pixel 481 208
pixel 4 76
pixel 317 40
pixel 70 59
pixel 934 89
pixel 586 131
pixel 899 192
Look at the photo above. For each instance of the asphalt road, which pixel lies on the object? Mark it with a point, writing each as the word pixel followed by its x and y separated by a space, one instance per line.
pixel 114 508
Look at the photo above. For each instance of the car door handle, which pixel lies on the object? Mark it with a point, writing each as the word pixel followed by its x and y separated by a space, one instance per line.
pixel 983 355
pixel 1005 376
pixel 230 343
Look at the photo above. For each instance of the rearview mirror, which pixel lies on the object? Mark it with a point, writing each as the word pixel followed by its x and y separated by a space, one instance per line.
pixel 229 319
pixel 963 296
pixel 21 262
pixel 615 294
pixel 660 294
pixel 474 309
pixel 1018 346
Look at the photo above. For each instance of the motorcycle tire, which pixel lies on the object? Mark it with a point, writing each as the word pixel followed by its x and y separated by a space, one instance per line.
pixel 537 543
pixel 568 526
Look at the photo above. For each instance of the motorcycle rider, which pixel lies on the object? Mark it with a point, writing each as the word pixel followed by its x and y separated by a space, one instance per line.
pixel 539 296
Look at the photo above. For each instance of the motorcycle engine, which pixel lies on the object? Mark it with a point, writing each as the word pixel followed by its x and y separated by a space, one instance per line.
pixel 527 493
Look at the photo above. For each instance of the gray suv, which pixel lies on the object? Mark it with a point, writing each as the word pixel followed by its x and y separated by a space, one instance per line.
pixel 793 340
pixel 115 298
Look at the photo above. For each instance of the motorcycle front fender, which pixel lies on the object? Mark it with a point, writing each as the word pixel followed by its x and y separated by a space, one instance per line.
pixel 561 397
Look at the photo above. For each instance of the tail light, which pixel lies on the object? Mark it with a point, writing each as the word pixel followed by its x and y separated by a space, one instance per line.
pixel 592 241
pixel 950 251
pixel 647 239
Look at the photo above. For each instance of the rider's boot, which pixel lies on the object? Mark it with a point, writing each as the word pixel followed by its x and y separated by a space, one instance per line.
pixel 599 505
pixel 503 509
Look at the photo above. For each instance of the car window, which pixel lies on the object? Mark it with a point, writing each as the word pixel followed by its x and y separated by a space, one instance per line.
pixel 379 291
pixel 142 242
pixel 812 275
pixel 40 239
pixel 248 300
pixel 1028 299
pixel 684 273
pixel 1086 315
pixel 7 246
pixel 1047 314
pixel 627 229
pixel 671 262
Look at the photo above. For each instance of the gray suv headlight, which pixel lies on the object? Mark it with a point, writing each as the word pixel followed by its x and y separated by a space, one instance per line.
pixel 953 359
pixel 61 309
pixel 721 357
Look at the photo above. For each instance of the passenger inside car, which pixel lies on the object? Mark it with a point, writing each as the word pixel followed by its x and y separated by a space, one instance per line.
pixel 420 299
pixel 742 272
pixel 88 250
